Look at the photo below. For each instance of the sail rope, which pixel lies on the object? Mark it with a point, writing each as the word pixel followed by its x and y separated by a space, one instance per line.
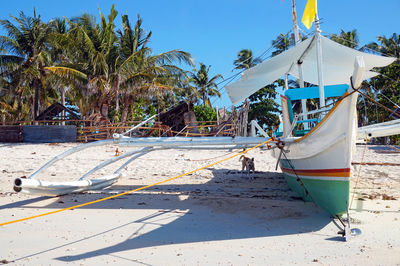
pixel 134 190
pixel 298 179
pixel 393 112
pixel 358 176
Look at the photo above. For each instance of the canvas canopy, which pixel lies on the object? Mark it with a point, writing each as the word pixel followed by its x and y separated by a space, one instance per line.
pixel 337 61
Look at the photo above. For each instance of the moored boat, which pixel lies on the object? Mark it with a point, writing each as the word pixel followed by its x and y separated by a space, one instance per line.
pixel 316 159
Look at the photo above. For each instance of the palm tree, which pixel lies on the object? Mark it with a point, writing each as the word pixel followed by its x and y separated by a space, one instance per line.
pixel 387 46
pixel 282 43
pixel 384 88
pixel 102 64
pixel 349 38
pixel 142 75
pixel 245 59
pixel 206 86
pixel 25 56
pixel 88 63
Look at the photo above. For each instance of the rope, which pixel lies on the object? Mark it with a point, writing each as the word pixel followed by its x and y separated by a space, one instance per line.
pixel 372 163
pixel 133 190
pixel 298 178
pixel 358 176
pixel 372 100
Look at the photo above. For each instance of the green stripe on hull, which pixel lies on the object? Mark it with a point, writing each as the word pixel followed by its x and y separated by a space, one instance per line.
pixel 331 195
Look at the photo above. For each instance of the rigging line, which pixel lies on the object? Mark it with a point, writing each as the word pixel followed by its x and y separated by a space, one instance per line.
pixel 241 71
pixel 266 51
pixel 134 190
pixel 260 57
pixel 329 35
pixel 228 80
pixel 358 176
pixel 298 178
pixel 256 58
pixel 379 91
pixel 372 100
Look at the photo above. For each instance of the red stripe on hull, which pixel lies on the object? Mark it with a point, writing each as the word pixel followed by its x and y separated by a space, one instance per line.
pixel 341 172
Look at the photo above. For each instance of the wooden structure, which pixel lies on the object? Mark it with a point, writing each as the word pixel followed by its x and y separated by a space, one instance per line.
pixel 174 118
pixel 55 111
pixel 240 118
pixel 11 134
pixel 178 121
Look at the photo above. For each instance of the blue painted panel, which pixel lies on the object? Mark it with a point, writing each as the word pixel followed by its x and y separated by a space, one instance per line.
pixel 290 109
pixel 49 134
pixel 313 92
pixel 308 120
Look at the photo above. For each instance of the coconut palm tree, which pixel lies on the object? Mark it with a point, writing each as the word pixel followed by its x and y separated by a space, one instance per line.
pixel 349 38
pixel 142 75
pixel 245 59
pixel 387 46
pixel 282 43
pixel 206 86
pixel 102 64
pixel 24 56
pixel 88 63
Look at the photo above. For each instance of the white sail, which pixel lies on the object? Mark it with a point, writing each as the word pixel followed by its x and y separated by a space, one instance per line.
pixel 337 59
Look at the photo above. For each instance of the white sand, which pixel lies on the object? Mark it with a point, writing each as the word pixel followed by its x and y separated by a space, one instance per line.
pixel 210 217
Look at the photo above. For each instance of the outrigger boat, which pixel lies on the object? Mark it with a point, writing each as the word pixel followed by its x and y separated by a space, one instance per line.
pixel 316 160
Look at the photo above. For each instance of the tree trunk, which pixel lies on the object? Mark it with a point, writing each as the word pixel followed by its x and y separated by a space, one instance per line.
pixel 104 109
pixel 125 110
pixel 116 85
pixel 36 85
pixel 63 103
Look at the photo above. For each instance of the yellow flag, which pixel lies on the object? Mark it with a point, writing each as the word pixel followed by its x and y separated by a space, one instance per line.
pixel 309 13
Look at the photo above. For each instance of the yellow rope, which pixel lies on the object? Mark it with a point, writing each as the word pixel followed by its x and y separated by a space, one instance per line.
pixel 134 190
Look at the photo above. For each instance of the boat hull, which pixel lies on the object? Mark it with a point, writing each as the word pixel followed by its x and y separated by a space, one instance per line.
pixel 317 166
pixel 328 188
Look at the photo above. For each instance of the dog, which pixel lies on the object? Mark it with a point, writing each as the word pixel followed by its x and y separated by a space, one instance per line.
pixel 248 164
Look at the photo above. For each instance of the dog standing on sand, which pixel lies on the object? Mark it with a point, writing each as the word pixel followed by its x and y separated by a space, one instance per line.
pixel 248 164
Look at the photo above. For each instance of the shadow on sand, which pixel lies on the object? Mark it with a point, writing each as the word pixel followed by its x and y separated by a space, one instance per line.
pixel 225 208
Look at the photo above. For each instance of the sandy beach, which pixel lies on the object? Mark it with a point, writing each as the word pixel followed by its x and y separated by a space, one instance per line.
pixel 211 217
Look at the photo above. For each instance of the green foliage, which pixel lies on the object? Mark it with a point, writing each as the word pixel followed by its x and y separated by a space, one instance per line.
pixel 205 113
pixel 205 86
pixel 263 107
pixel 282 43
pixel 384 88
pixel 349 38
pixel 245 60
pixel 24 53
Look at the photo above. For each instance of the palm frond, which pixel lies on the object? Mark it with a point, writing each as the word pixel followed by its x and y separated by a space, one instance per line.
pixel 67 72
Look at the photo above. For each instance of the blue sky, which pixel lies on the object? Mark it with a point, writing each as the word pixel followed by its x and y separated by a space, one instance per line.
pixel 214 31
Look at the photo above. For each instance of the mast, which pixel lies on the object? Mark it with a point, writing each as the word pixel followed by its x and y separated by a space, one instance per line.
pixel 319 63
pixel 300 69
